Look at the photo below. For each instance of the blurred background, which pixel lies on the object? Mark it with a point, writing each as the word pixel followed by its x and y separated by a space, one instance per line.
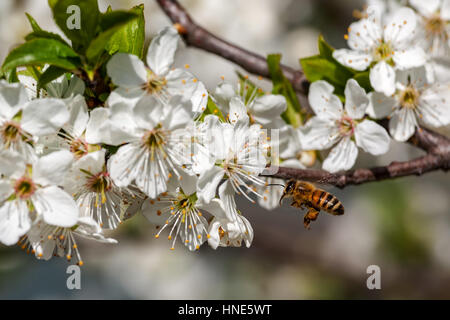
pixel 403 226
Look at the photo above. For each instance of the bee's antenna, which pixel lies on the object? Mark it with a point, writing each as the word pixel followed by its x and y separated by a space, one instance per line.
pixel 276 184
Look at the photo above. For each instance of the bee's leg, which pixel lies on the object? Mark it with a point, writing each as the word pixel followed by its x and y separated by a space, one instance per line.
pixel 311 215
pixel 297 204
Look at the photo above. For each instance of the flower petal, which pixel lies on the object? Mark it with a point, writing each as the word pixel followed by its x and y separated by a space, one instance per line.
pixel 44 116
pixel 382 78
pixel 409 58
pixel 325 104
pixel 79 116
pixel 425 8
pixel 318 134
pixel 402 124
pixel 267 108
pixel 372 138
pixel 126 70
pixel 208 182
pixel 445 10
pixel 353 59
pixel 356 100
pixel 161 53
pixel 14 221
pixel 238 113
pixel 12 164
pixel 12 97
pixel 434 105
pixel 6 190
pixel 400 28
pixel 364 35
pixel 342 156
pixel 52 168
pixel 380 106
pixel 56 207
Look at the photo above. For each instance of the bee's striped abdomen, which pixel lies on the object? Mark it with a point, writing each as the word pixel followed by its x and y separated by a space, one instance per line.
pixel 326 201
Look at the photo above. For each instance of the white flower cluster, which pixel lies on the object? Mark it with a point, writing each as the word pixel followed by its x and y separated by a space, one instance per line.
pixel 406 52
pixel 67 170
pixel 162 145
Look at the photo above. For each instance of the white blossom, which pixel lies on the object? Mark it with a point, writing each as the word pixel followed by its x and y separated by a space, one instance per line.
pixel 415 101
pixel 342 127
pixel 30 191
pixel 135 80
pixel 384 47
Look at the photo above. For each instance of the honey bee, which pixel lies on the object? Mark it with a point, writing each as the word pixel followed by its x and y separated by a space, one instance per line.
pixel 305 194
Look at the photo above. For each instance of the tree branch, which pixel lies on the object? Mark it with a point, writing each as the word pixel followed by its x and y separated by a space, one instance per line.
pixel 436 145
pixel 198 37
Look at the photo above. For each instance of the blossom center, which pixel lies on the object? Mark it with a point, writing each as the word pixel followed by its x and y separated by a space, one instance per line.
pixel 409 97
pixel 346 126
pixel 154 139
pixel 79 148
pixel 24 188
pixel 383 52
pixel 10 132
pixel 154 83
pixel 435 25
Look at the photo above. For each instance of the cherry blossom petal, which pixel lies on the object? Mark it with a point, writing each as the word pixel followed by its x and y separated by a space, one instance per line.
pixel 44 116
pixel 12 164
pixel 325 104
pixel 238 113
pixel 400 28
pixel 342 156
pixel 402 124
pixel 417 77
pixel 126 70
pixel 208 182
pixel 434 105
pixel 364 35
pixel 356 100
pixel 12 97
pixel 223 94
pixel 14 221
pixel 318 134
pixel 184 84
pixel 267 108
pixel 409 58
pixel 52 168
pixel 372 137
pixel 56 207
pixel 445 10
pixel 353 59
pixel 79 116
pixel 120 165
pixel 382 78
pixel 6 190
pixel 161 53
pixel 426 8
pixel 380 105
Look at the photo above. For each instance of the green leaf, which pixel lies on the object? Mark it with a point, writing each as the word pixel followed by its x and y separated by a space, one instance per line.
pixel 89 20
pixel 42 51
pixel 318 68
pixel 33 23
pixel 326 51
pixel 49 75
pixel 46 35
pixel 282 86
pixel 110 24
pixel 131 37
pixel 248 88
pixel 211 108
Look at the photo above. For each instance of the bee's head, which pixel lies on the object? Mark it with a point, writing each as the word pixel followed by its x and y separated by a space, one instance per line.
pixel 288 190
